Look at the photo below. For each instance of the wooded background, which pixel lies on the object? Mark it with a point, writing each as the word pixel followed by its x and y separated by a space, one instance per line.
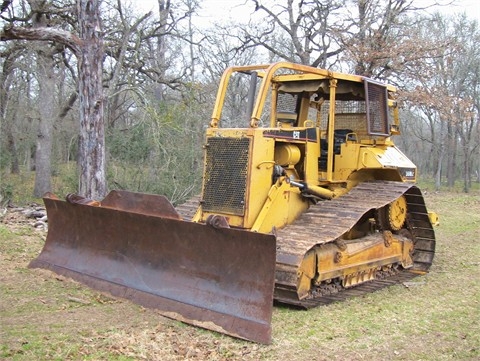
pixel 127 95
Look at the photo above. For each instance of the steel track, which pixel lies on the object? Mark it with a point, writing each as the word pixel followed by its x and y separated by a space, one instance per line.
pixel 188 209
pixel 326 221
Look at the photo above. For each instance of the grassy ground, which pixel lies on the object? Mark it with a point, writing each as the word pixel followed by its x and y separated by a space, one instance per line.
pixel 47 317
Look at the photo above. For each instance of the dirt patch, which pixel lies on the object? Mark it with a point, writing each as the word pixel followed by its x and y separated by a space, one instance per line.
pixel 44 315
pixel 435 317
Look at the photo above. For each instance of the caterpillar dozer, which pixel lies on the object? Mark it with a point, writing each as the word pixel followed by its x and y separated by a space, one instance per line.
pixel 305 200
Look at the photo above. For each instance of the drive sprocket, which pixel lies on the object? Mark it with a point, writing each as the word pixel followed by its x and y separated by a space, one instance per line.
pixel 393 215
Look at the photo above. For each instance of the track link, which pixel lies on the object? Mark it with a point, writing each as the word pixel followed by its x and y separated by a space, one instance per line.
pixel 347 293
pixel 328 220
pixel 188 209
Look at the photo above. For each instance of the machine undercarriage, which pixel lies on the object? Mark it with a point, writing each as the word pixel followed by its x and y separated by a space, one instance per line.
pixel 318 237
pixel 309 203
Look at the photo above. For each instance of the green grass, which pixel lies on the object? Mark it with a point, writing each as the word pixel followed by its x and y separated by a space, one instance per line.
pixel 435 318
pixel 18 188
pixel 428 184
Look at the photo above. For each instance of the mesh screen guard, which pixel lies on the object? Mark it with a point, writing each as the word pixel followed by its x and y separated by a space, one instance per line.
pixel 377 108
pixel 226 168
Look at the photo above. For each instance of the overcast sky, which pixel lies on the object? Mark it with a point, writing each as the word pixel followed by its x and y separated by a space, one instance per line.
pixel 471 7
pixel 223 9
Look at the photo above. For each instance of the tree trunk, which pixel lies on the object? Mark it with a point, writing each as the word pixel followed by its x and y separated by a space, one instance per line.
pixel 91 158
pixel 438 173
pixel 89 51
pixel 6 123
pixel 451 155
pixel 46 110
pixel 437 149
pixel 12 148
pixel 45 106
pixel 466 174
pixel 163 10
pixel 362 11
pixel 439 143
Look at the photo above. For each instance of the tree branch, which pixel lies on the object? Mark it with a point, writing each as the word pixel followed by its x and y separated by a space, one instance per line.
pixel 70 40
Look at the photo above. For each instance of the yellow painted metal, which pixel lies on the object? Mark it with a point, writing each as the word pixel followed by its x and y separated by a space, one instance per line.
pixel 273 113
pixel 362 157
pixel 357 161
pixel 397 213
pixel 306 274
pixel 353 261
pixel 222 89
pixel 434 219
pixel 283 205
pixel 327 193
pixel 269 74
pixel 310 162
pixel 320 143
pixel 260 165
pixel 330 131
pixel 358 157
pixel 266 205
pixel 287 154
pixel 304 73
pixel 395 126
pixel 303 111
pixel 284 172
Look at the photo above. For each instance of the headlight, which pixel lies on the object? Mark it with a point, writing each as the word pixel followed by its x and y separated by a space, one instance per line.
pixel 408 173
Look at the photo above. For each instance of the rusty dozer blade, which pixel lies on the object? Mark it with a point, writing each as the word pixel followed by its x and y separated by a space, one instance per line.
pixel 136 246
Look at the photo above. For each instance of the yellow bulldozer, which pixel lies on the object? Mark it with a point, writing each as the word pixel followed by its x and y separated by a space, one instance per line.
pixel 305 200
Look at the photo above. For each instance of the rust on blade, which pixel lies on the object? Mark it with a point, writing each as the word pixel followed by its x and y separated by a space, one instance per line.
pixel 154 205
pixel 217 278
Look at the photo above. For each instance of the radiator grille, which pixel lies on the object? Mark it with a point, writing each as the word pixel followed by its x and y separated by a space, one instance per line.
pixel 226 175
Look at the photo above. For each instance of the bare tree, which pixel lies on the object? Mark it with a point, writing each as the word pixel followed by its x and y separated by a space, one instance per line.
pixel 92 128
pixel 378 37
pixel 7 124
pixel 46 104
pixel 33 13
pixel 88 48
pixel 467 79
pixel 295 31
pixel 444 86
pixel 373 37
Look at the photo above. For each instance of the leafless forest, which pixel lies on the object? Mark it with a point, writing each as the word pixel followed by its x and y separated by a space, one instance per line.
pixel 124 96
